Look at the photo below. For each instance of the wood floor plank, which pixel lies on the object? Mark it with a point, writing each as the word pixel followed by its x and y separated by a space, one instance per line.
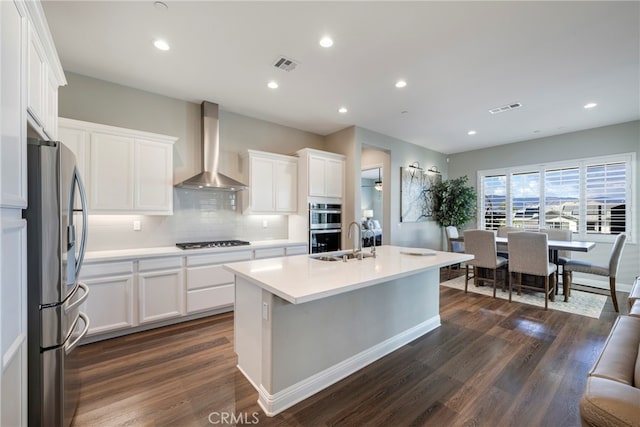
pixel 490 363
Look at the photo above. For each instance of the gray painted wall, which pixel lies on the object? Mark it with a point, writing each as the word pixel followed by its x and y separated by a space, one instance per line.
pixel 197 215
pixel 615 139
pixel 426 234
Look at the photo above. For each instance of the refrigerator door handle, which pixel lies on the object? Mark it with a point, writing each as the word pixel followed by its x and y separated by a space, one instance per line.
pixel 81 300
pixel 85 211
pixel 69 346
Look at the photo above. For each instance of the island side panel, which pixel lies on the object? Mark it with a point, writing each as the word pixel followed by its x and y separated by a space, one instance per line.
pixel 312 337
pixel 248 329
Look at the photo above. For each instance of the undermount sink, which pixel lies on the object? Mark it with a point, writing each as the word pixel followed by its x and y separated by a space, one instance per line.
pixel 339 256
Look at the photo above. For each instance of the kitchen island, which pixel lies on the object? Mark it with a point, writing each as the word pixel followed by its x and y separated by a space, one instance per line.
pixel 302 324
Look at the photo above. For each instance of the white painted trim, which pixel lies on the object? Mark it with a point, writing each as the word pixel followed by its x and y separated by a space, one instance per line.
pixel 600 284
pixel 114 130
pixel 273 404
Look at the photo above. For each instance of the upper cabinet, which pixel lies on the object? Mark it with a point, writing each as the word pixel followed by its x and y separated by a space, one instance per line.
pixel 323 173
pixel 272 183
pixel 125 171
pixel 44 75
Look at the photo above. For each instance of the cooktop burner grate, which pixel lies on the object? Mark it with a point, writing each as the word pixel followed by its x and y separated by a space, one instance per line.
pixel 212 244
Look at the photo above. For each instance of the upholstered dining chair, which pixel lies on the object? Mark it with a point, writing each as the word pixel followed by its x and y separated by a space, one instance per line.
pixel 529 254
pixel 453 246
pixel 563 256
pixel 608 270
pixel 503 231
pixel 482 245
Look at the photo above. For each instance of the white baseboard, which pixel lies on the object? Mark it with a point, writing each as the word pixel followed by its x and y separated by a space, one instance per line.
pixel 273 404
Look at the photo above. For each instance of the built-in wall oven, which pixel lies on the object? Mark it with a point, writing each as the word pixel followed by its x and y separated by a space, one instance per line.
pixel 325 227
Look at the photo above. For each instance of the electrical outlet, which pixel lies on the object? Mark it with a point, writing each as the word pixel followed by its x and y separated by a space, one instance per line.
pixel 136 225
pixel 265 224
pixel 265 311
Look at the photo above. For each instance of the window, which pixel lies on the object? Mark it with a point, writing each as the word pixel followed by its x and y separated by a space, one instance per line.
pixel 591 197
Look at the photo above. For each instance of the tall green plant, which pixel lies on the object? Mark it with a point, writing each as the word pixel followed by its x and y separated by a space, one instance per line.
pixel 454 202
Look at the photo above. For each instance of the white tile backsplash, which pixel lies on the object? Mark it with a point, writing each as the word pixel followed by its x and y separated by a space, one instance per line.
pixel 197 216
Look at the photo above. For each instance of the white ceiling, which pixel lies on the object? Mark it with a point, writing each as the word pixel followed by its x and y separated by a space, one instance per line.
pixel 459 59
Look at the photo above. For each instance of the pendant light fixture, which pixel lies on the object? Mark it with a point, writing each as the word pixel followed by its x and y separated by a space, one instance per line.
pixel 378 184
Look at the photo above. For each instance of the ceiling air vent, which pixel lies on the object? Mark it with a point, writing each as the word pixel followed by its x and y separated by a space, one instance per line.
pixel 286 64
pixel 505 108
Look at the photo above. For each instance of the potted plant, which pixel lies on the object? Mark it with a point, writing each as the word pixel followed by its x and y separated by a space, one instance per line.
pixel 454 202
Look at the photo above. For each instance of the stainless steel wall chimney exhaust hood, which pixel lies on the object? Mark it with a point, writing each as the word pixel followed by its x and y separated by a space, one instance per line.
pixel 210 178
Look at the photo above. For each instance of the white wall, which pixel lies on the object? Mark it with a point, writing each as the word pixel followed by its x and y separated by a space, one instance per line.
pixel 606 140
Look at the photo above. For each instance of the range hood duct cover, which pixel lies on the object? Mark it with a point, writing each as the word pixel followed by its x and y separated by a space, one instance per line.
pixel 210 178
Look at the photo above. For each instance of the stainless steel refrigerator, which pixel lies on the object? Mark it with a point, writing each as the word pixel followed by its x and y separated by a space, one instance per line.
pixel 56 239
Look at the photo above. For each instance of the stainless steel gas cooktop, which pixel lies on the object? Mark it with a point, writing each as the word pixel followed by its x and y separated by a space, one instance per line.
pixel 212 244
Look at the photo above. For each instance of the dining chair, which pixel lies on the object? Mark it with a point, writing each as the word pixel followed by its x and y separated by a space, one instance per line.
pixel 453 246
pixel 503 231
pixel 609 270
pixel 482 245
pixel 529 254
pixel 563 256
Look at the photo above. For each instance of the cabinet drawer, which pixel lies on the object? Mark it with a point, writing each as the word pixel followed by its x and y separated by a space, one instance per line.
pixel 297 250
pixel 219 258
pixel 269 253
pixel 166 263
pixel 213 275
pixel 210 298
pixel 106 269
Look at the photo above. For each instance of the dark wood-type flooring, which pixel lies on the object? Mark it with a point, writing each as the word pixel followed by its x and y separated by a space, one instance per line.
pixel 491 363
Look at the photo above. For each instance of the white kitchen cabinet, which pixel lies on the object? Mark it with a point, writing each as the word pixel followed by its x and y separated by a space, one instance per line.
pixel 51 110
pixel 209 285
pixel 268 253
pixel 322 172
pixel 296 250
pixel 160 289
pixel 272 180
pixel 13 147
pixel 37 71
pixel 111 173
pixel 126 171
pixel 111 302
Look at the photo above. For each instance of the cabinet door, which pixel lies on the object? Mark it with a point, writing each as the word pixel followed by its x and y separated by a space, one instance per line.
pixel 161 295
pixel 286 188
pixel 77 141
pixel 153 184
pixel 334 177
pixel 51 120
pixel 262 185
pixel 36 80
pixel 111 170
pixel 317 184
pixel 110 304
pixel 13 319
pixel 13 148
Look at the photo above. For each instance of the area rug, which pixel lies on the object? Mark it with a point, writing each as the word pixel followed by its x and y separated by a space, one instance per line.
pixel 582 303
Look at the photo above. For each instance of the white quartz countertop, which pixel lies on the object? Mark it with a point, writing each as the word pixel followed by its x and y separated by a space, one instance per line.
pixel 123 254
pixel 300 279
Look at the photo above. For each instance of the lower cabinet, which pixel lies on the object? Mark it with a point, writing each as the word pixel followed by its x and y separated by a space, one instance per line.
pixel 133 294
pixel 111 300
pixel 160 289
pixel 209 285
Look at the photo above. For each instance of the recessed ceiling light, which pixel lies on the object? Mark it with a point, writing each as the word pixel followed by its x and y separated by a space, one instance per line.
pixel 590 105
pixel 401 84
pixel 272 85
pixel 342 110
pixel 326 41
pixel 471 132
pixel 161 44
pixel 160 5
